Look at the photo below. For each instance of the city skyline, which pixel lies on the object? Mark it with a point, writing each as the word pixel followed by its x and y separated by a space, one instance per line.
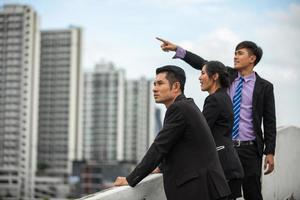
pixel 125 37
pixel 42 103
pixel 124 32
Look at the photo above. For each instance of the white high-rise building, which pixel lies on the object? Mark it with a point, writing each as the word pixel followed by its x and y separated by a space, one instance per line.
pixel 19 82
pixel 104 114
pixel 60 132
pixel 139 119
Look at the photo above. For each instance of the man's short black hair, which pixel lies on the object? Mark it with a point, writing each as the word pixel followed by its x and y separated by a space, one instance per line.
pixel 252 48
pixel 174 74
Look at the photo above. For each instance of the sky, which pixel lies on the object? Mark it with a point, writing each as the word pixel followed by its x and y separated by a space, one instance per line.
pixel 123 32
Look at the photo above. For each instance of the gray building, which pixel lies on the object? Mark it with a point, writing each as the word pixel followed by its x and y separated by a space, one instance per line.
pixel 103 120
pixel 59 131
pixel 92 176
pixel 139 119
pixel 158 120
pixel 19 81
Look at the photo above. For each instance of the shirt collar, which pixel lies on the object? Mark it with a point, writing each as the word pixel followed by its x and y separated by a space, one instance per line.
pixel 250 77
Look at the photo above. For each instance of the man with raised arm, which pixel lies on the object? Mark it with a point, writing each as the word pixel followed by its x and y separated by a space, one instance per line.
pixel 253 104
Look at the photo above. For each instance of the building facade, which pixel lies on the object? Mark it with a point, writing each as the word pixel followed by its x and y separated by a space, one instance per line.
pixel 19 81
pixel 140 121
pixel 60 132
pixel 91 177
pixel 103 120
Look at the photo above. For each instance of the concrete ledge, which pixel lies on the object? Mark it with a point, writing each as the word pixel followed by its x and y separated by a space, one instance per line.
pixel 151 188
pixel 284 182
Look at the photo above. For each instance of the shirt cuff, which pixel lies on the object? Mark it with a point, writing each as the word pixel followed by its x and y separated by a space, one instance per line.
pixel 180 53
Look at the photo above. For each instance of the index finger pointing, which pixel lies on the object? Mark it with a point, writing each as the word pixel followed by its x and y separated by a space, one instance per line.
pixel 162 40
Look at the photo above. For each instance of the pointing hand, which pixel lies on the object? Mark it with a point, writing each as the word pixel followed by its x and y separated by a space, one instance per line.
pixel 166 45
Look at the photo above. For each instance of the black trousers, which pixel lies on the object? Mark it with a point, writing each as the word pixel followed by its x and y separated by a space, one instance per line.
pixel 252 164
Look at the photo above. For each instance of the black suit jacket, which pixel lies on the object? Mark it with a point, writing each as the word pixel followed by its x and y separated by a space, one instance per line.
pixel 187 151
pixel 263 103
pixel 218 113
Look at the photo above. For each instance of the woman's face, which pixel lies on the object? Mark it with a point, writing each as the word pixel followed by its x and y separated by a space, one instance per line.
pixel 206 83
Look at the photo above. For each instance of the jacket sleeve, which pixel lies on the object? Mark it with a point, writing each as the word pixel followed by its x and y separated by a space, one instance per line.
pixel 194 60
pixel 171 132
pixel 198 62
pixel 269 121
pixel 211 110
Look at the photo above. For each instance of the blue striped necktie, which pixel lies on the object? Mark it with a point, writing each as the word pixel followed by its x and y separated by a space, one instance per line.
pixel 237 99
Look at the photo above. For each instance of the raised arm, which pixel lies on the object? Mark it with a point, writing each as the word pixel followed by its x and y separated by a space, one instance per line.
pixel 192 59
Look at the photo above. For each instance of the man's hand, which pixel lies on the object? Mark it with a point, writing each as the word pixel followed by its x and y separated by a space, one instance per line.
pixel 166 45
pixel 120 181
pixel 269 164
pixel 156 171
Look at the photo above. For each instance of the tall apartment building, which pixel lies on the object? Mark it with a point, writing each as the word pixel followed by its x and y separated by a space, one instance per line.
pixel 158 121
pixel 104 114
pixel 19 81
pixel 139 119
pixel 59 132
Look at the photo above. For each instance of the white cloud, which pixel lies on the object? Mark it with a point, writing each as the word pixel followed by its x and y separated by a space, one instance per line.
pixel 288 18
pixel 186 2
pixel 281 44
pixel 278 34
pixel 216 45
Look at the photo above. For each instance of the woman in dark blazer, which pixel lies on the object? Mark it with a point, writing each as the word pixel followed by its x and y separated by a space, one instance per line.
pixel 218 112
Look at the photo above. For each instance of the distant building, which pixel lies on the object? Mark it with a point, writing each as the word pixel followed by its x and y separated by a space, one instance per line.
pixel 103 121
pixel 140 122
pixel 158 121
pixel 59 138
pixel 90 177
pixel 119 116
pixel 19 81
pixel 119 123
pixel 59 132
pixel 47 187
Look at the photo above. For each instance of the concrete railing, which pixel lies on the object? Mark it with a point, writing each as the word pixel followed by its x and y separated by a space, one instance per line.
pixel 282 184
pixel 151 188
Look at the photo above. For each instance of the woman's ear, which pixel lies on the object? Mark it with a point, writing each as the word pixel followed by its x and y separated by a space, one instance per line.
pixel 215 76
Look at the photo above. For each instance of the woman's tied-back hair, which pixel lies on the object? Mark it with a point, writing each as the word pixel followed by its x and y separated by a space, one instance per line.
pixel 216 67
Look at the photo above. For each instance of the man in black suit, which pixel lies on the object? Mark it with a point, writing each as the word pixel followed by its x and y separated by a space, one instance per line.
pixel 253 103
pixel 184 147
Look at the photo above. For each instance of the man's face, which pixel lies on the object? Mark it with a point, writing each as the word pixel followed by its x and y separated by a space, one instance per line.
pixel 243 59
pixel 162 90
